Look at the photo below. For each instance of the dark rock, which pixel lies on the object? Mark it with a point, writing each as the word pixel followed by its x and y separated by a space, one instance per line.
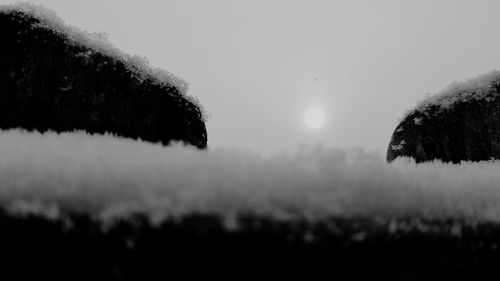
pixel 50 81
pixel 461 124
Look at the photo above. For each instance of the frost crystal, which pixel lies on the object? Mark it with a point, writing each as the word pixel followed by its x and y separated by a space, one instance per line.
pixel 399 146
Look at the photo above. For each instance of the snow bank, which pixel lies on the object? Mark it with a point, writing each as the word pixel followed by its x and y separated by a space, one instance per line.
pixel 98 42
pixel 476 88
pixel 111 177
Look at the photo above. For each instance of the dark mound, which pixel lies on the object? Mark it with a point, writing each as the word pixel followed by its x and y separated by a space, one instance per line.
pixel 461 125
pixel 48 81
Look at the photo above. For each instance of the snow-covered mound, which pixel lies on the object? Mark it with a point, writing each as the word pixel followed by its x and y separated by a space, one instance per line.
pixel 109 177
pixel 98 42
pixel 458 124
pixel 56 77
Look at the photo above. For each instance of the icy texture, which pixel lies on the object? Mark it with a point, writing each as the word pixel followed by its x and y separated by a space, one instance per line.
pixel 139 66
pixel 111 177
pixel 399 146
pixel 476 88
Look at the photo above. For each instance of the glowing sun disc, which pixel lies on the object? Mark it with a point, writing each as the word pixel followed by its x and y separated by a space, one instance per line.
pixel 314 117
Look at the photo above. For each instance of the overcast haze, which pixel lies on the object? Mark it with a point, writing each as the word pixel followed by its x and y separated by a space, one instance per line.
pixel 256 65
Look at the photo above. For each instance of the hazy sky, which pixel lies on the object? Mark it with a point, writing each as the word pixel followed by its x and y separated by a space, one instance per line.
pixel 256 65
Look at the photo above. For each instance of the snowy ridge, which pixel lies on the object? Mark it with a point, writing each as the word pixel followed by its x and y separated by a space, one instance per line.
pixel 139 66
pixel 476 88
pixel 110 177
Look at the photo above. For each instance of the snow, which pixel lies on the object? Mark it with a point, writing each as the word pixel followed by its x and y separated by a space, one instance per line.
pixel 110 177
pixel 399 146
pixel 98 42
pixel 476 88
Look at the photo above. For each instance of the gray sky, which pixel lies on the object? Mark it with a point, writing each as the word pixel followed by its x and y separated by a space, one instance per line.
pixel 256 65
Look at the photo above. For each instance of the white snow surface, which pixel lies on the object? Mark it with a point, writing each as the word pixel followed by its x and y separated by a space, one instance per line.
pixel 476 88
pixel 139 66
pixel 110 177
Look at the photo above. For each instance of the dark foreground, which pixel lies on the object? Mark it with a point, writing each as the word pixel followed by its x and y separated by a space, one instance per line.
pixel 79 248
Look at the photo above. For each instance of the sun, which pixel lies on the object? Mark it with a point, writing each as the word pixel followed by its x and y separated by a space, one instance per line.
pixel 314 117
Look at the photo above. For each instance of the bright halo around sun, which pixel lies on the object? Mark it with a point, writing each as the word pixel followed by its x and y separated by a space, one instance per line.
pixel 314 118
